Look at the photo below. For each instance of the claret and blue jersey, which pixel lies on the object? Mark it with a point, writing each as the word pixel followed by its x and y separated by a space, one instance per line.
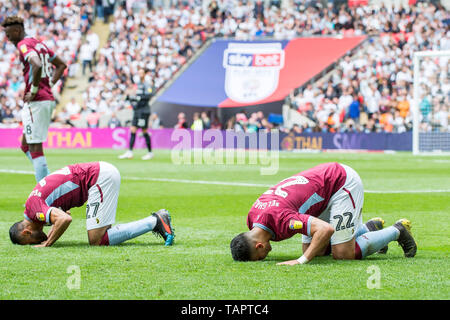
pixel 285 209
pixel 65 188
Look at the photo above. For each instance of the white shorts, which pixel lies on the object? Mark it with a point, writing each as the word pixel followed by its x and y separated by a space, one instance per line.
pixel 36 117
pixel 344 211
pixel 102 199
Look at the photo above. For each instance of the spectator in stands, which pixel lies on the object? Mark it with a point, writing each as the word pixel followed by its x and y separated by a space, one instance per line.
pixel 94 42
pixel 155 121
pixel 62 119
pixel 197 123
pixel 17 114
pixel 59 25
pixel 253 124
pixel 403 105
pixel 114 122
pixel 354 109
pixel 213 8
pixel 7 116
pixel 72 107
pixel 206 121
pixel 93 119
pixel 440 118
pixel 163 40
pixel 215 124
pixel 181 124
pixel 398 123
pixel 86 56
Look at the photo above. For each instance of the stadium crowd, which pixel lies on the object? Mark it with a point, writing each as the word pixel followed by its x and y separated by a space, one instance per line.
pixel 60 24
pixel 370 90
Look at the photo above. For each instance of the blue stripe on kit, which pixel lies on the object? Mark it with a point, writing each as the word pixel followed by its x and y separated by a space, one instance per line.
pixel 60 191
pixel 315 198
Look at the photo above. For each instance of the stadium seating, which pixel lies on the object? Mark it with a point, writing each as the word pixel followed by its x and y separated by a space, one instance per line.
pixel 60 26
pixel 369 90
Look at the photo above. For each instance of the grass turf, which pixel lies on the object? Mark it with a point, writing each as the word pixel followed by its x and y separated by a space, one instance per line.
pixel 207 216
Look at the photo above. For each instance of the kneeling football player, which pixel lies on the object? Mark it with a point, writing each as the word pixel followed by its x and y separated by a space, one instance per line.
pixel 324 204
pixel 95 183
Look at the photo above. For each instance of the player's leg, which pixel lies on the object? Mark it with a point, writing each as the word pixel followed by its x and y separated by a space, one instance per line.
pixel 159 223
pixel 346 216
pixel 98 236
pixel 133 131
pixel 365 244
pixel 129 153
pixel 372 242
pixel 374 224
pixel 148 142
pixel 36 117
pixel 345 250
pixel 25 148
pixel 39 161
pixel 101 212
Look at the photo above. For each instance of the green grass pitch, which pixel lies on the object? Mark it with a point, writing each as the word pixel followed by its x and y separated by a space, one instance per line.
pixel 207 216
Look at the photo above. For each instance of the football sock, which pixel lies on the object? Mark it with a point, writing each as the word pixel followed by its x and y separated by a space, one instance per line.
pixel 27 152
pixel 40 165
pixel 123 232
pixel 132 140
pixel 371 242
pixel 148 141
pixel 362 228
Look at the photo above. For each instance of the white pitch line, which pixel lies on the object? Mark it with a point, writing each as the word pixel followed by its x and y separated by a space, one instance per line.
pixel 222 183
pixel 234 184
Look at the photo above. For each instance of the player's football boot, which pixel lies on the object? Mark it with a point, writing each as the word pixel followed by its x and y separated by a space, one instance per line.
pixel 147 156
pixel 376 224
pixel 127 155
pixel 163 226
pixel 406 240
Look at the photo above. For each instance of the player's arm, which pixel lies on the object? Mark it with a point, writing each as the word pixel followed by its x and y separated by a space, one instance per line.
pixel 51 228
pixel 130 96
pixel 60 221
pixel 36 69
pixel 60 66
pixel 321 233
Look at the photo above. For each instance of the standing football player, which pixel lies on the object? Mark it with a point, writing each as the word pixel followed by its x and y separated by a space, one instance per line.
pixel 39 102
pixel 324 204
pixel 141 113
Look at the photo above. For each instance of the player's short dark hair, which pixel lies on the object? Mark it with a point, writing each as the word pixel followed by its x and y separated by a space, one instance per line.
pixel 14 232
pixel 12 20
pixel 240 247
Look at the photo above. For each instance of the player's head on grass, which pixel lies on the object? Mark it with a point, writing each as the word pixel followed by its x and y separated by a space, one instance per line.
pixel 14 29
pixel 27 232
pixel 250 246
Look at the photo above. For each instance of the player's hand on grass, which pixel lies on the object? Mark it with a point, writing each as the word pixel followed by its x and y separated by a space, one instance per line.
pixel 42 244
pixel 288 263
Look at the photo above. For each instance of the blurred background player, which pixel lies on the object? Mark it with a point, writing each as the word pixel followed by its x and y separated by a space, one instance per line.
pixel 141 113
pixel 98 184
pixel 324 204
pixel 39 102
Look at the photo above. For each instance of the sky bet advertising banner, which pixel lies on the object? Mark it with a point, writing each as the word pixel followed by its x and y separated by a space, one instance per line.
pixel 252 71
pixel 177 139
pixel 232 73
